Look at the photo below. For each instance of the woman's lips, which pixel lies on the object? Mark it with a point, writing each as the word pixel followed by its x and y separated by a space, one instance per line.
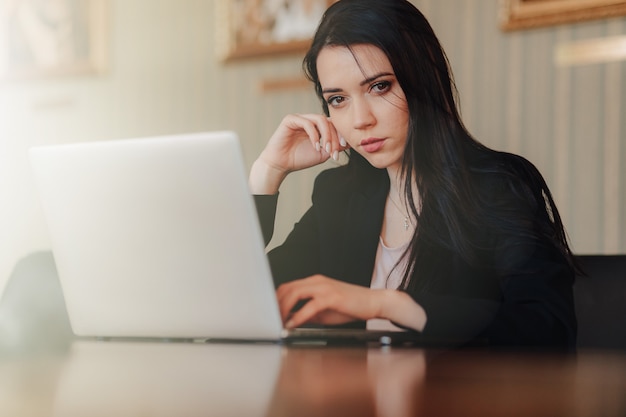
pixel 372 144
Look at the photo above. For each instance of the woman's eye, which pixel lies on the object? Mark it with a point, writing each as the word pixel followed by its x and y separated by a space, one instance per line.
pixel 381 87
pixel 335 101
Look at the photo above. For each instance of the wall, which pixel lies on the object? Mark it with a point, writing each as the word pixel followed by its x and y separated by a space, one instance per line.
pixel 163 78
pixel 569 121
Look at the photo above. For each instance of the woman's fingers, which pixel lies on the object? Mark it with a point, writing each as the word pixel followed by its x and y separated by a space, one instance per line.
pixel 319 299
pixel 330 142
pixel 316 129
pixel 315 312
pixel 295 295
pixel 291 297
pixel 311 129
pixel 299 142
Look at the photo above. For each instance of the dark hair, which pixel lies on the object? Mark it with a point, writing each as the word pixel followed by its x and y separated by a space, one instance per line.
pixel 441 157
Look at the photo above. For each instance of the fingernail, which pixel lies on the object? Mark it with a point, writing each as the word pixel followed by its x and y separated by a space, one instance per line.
pixel 336 155
pixel 328 147
pixel 289 324
pixel 317 146
pixel 342 141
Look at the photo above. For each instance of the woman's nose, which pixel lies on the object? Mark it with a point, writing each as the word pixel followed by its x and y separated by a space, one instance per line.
pixel 362 114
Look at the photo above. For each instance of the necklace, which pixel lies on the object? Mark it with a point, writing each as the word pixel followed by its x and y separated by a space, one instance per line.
pixel 405 214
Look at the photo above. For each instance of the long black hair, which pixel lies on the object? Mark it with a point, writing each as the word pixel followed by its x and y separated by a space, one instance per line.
pixel 441 157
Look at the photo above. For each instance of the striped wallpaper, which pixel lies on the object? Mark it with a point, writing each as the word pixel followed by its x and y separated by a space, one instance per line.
pixel 569 121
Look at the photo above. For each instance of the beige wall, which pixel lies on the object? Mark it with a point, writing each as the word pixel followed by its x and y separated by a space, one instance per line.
pixel 569 121
pixel 163 78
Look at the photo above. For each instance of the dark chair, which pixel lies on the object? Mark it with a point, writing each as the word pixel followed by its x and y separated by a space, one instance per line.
pixel 32 308
pixel 600 301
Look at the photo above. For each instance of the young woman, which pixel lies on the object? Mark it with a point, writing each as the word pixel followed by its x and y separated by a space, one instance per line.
pixel 424 228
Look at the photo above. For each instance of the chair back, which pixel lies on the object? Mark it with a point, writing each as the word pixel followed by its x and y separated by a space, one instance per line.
pixel 32 308
pixel 600 302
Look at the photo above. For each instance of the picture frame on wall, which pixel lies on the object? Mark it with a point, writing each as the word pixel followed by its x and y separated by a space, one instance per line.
pixel 257 28
pixel 52 38
pixel 526 14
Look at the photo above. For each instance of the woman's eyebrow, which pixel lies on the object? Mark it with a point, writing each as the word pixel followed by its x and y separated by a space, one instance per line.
pixel 362 83
pixel 374 77
pixel 331 90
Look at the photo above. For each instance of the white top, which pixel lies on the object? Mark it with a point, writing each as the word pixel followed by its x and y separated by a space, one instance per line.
pixel 386 276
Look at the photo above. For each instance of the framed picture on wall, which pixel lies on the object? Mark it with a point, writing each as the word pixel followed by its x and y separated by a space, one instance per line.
pixel 523 14
pixel 52 38
pixel 255 28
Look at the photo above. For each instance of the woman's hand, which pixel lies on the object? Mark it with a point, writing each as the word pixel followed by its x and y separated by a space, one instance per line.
pixel 300 141
pixel 329 301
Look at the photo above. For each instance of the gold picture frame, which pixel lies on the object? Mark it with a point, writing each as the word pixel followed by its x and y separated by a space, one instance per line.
pixel 40 40
pixel 525 14
pixel 257 28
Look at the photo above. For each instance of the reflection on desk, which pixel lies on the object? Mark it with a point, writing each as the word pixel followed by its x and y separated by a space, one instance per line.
pixel 119 379
pixel 349 382
pixel 145 379
pixel 193 379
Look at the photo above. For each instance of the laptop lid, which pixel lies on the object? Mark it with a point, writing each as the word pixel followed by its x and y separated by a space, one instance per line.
pixel 157 237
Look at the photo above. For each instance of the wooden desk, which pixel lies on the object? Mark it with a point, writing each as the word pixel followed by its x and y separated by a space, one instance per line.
pixel 175 379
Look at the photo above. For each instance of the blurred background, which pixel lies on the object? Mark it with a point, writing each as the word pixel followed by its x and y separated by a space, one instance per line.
pixel 86 70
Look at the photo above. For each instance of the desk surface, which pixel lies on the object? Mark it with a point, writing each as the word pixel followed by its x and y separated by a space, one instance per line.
pixel 176 379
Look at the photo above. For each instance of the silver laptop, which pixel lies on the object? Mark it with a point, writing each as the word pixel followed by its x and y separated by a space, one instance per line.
pixel 159 238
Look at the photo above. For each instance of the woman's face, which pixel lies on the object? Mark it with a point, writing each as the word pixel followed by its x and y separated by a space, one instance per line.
pixel 366 104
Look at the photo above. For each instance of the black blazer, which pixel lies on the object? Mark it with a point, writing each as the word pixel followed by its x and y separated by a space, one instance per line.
pixel 338 237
